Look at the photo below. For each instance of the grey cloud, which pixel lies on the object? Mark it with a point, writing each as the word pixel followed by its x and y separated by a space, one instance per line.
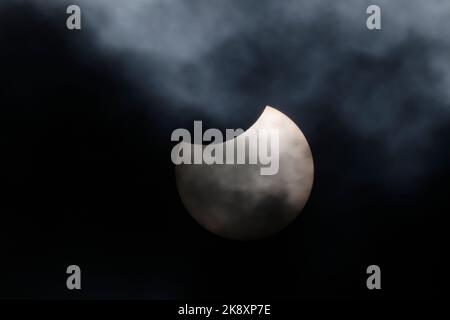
pixel 202 53
pixel 222 58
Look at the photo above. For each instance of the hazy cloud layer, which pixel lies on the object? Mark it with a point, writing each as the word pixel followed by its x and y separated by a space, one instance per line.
pixel 206 54
pixel 312 59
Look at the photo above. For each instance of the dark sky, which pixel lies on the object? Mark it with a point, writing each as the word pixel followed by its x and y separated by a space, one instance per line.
pixel 85 124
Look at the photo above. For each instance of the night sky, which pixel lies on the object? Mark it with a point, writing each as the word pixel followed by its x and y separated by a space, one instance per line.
pixel 86 117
